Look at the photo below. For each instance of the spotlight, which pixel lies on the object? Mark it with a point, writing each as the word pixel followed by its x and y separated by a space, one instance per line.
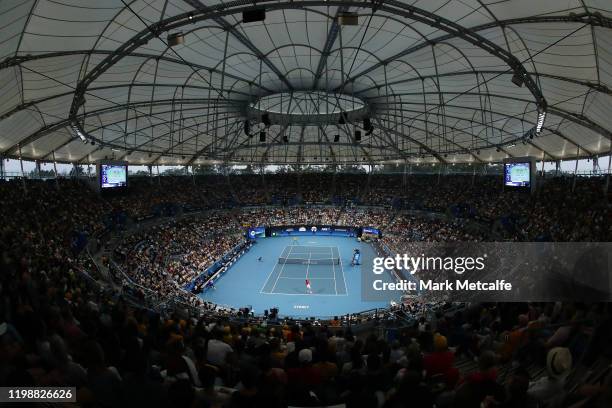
pixel 252 16
pixel 367 126
pixel 190 16
pixel 175 39
pixel 247 128
pixel 286 139
pixel 336 138
pixel 348 18
pixel 262 136
pixel 77 132
pixel 93 143
pixel 342 120
pixel 541 119
pixel 517 79
pixel 357 136
pixel 265 119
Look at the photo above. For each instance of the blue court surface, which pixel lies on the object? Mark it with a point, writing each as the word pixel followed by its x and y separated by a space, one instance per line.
pixel 279 279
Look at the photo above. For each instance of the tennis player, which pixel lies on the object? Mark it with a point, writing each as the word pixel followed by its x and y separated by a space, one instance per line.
pixel 295 241
pixel 308 290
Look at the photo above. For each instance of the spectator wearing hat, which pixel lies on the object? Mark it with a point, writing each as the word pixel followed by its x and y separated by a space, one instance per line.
pixel 549 389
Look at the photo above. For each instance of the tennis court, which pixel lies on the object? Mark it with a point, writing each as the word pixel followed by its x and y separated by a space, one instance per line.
pixel 322 265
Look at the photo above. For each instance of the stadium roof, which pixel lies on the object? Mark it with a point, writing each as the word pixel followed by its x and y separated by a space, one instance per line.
pixel 82 80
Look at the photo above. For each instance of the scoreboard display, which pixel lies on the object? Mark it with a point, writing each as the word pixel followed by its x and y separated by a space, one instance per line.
pixel 113 176
pixel 517 174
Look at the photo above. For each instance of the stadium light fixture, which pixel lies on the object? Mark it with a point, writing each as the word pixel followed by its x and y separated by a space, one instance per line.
pixel 541 119
pixel 348 18
pixel 255 15
pixel 367 126
pixel 517 79
pixel 175 39
pixel 265 119
pixel 77 132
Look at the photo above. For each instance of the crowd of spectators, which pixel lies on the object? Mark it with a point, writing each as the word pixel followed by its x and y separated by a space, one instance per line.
pixel 563 209
pixel 59 328
pixel 166 257
pixel 61 333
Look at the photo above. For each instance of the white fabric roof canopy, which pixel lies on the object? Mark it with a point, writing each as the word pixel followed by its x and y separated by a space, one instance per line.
pixel 431 72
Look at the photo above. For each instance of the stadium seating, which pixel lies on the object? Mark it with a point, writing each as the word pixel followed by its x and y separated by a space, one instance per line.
pixel 74 313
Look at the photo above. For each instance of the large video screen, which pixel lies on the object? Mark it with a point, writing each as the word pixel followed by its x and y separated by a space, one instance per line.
pixel 113 176
pixel 517 174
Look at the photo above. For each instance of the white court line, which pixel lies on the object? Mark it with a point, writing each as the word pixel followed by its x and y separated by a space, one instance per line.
pixel 322 250
pixel 270 274
pixel 342 270
pixel 334 269
pixel 301 294
pixel 285 277
pixel 307 268
pixel 281 272
pixel 272 271
pixel 312 246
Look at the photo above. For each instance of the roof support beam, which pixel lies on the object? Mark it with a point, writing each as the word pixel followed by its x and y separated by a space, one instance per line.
pixel 196 4
pixel 66 122
pixel 329 43
pixel 237 6
pixel 582 120
pixel 584 18
pixel 421 145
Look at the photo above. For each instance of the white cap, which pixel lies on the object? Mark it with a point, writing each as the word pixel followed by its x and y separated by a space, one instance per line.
pixel 305 356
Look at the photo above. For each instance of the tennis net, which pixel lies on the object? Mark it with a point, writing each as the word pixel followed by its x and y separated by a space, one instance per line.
pixel 309 261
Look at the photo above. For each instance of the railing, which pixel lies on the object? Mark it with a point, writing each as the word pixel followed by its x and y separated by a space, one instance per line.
pixel 217 267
